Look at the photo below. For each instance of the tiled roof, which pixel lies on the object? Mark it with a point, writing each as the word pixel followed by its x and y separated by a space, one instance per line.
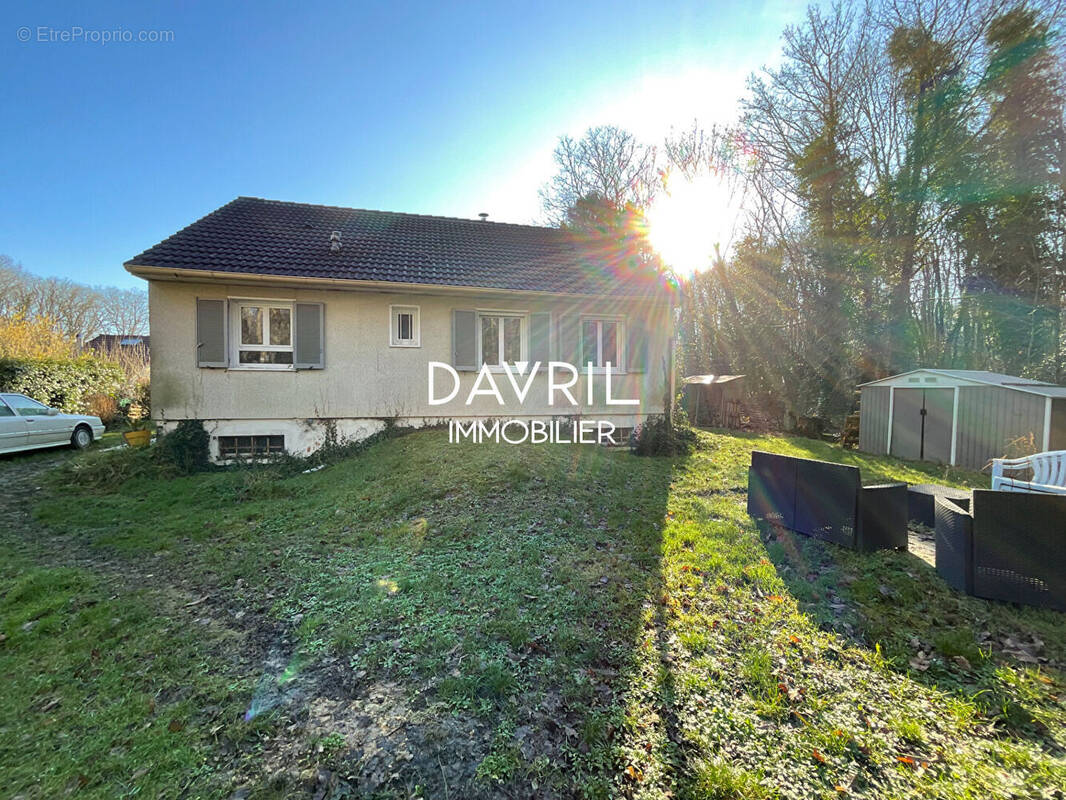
pixel 253 236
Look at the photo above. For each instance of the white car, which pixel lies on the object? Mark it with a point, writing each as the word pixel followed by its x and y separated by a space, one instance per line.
pixel 26 424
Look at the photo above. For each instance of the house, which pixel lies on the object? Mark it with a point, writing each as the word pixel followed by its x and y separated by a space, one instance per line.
pixel 960 417
pixel 279 324
pixel 116 342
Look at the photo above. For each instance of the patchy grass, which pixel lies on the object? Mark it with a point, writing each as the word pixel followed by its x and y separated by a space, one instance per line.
pixel 482 621
pixel 103 694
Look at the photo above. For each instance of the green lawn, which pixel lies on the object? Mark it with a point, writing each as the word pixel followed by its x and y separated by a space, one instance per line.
pixel 436 620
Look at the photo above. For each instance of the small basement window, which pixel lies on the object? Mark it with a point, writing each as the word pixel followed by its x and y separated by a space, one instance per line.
pixel 250 446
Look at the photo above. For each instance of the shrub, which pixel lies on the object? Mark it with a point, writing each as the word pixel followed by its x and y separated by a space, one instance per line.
pixel 25 337
pixel 657 437
pixel 63 384
pixel 186 447
pixel 103 406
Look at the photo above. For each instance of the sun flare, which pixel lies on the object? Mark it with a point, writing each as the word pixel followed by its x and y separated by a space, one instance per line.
pixel 690 218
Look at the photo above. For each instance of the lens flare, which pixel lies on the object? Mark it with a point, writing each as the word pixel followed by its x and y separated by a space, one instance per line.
pixel 691 218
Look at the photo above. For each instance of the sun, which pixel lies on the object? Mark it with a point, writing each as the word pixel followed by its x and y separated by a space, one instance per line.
pixel 691 217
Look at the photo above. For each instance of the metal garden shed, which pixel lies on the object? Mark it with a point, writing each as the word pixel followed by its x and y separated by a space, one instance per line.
pixel 959 417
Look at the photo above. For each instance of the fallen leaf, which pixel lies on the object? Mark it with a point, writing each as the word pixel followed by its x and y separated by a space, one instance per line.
pixel 818 757
pixel 634 774
pixel 175 726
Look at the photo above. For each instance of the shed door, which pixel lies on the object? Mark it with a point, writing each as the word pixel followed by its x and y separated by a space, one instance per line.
pixel 938 407
pixel 907 423
pixel 909 440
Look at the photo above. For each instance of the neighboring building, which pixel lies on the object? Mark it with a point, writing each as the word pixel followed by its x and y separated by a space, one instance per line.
pixel 961 417
pixel 111 342
pixel 270 319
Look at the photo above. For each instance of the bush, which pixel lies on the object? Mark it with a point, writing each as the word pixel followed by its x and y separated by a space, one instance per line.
pixel 186 448
pixel 62 384
pixel 105 407
pixel 657 437
pixel 25 337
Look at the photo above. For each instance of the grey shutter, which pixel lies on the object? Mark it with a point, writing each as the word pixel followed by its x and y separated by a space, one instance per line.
pixel 464 339
pixel 211 333
pixel 309 331
pixel 540 325
pixel 636 346
pixel 570 339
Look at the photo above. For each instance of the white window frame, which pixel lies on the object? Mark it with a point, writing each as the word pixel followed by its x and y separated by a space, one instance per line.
pixel 620 334
pixel 523 336
pixel 236 304
pixel 416 326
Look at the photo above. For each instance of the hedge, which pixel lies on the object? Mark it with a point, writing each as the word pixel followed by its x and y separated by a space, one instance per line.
pixel 60 384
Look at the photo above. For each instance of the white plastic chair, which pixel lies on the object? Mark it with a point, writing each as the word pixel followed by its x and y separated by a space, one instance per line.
pixel 1049 473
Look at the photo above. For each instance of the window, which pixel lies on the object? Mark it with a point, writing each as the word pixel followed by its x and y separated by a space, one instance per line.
pixel 250 446
pixel 501 339
pixel 264 334
pixel 5 410
pixel 24 406
pixel 601 343
pixel 403 326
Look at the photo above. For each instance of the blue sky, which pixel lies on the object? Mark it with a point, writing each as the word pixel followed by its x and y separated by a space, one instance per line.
pixel 434 108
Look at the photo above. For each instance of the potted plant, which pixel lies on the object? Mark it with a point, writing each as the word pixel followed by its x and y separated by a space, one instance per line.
pixel 138 435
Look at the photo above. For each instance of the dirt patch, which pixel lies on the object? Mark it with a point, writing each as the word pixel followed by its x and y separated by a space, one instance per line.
pixel 379 739
pixel 921 542
pixel 331 735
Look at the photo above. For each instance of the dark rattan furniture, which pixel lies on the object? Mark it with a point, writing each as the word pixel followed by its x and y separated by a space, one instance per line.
pixel 921 501
pixel 1011 546
pixel 1019 547
pixel 827 501
pixel 954 543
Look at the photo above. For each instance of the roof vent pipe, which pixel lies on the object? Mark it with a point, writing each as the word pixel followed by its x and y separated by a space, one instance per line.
pixel 335 242
pixel 484 216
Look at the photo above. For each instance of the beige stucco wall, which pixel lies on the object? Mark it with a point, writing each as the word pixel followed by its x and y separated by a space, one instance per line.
pixel 365 378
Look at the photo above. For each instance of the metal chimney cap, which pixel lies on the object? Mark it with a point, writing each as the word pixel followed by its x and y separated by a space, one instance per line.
pixel 484 216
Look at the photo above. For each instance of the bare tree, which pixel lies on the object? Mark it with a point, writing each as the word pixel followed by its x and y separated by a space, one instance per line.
pixel 72 309
pixel 607 163
pixel 123 311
